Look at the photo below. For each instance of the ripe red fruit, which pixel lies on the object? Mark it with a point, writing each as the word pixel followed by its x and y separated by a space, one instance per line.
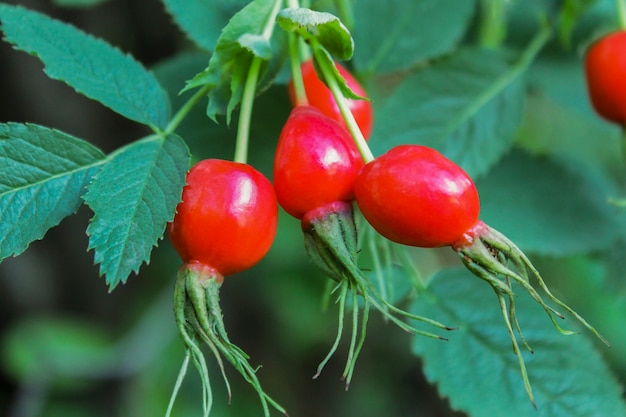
pixel 227 217
pixel 315 168
pixel 316 162
pixel 225 223
pixel 320 97
pixel 605 70
pixel 415 196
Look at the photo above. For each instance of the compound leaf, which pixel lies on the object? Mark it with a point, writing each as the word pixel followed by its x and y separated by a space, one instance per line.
pixel 43 174
pixel 89 65
pixel 133 196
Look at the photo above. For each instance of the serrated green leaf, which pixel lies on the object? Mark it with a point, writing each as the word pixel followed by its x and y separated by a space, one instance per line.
pixel 89 65
pixel 478 372
pixel 202 20
pixel 133 196
pixel 326 28
pixel 468 106
pixel 230 63
pixel 43 174
pixel 404 33
pixel 548 206
pixel 258 45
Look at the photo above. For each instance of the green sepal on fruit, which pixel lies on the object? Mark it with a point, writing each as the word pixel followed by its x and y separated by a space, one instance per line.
pixel 199 318
pixel 415 196
pixel 224 205
pixel 315 166
pixel 330 238
pixel 487 253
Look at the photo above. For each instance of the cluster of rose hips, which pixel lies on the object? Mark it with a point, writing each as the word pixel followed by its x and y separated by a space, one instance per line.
pixel 411 195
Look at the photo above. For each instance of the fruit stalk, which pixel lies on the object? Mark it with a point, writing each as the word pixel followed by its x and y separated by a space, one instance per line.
pixel 621 13
pixel 353 128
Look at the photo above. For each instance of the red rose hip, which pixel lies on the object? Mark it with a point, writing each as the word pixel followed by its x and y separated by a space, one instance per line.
pixel 415 196
pixel 227 217
pixel 605 71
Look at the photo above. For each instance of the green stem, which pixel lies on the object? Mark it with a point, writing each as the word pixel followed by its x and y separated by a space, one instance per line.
pixel 378 268
pixel 516 70
pixel 346 13
pixel 245 115
pixel 249 93
pixel 296 73
pixel 302 52
pixel 342 102
pixel 184 110
pixel 621 11
pixel 493 23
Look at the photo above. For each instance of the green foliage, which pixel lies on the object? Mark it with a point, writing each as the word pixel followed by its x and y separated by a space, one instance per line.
pixel 89 65
pixel 563 202
pixel 468 105
pixel 478 372
pixel 133 196
pixel 328 38
pixel 406 33
pixel 326 28
pixel 43 174
pixel 247 35
pixel 595 285
pixel 569 15
pixel 202 20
